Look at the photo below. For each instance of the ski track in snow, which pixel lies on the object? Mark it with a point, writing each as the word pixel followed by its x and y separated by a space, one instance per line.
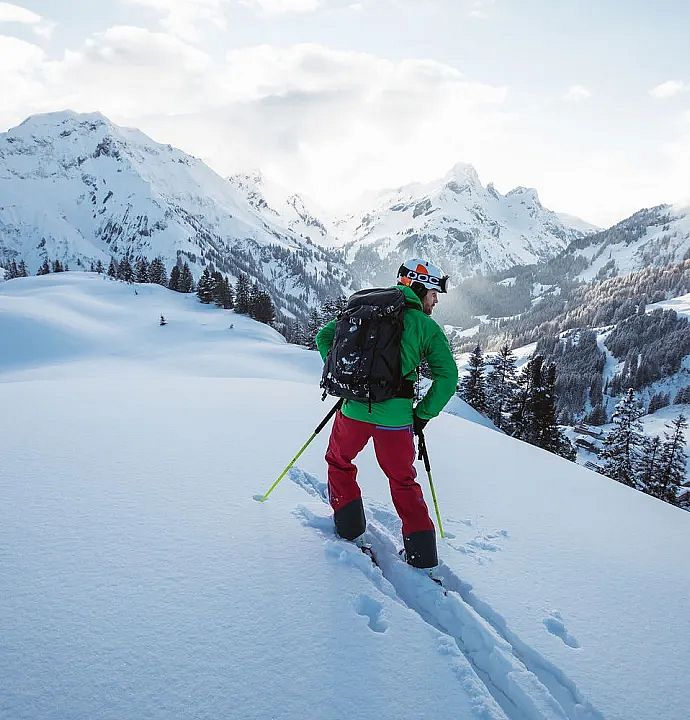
pixel 524 684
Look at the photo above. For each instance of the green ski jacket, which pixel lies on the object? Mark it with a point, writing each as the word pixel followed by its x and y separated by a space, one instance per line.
pixel 422 338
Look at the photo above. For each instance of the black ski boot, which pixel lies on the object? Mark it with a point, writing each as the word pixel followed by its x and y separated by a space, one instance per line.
pixel 350 522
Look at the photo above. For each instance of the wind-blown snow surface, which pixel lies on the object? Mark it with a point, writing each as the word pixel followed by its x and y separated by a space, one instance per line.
pixel 140 579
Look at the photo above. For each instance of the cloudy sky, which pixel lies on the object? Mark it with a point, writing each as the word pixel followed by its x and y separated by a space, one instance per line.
pixel 586 100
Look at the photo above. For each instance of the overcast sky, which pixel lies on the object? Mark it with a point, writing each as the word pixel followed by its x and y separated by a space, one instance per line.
pixel 588 101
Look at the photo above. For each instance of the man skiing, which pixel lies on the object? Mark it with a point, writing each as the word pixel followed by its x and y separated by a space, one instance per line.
pixel 392 422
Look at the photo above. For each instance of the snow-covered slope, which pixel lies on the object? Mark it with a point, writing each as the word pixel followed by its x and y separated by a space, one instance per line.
pixel 464 226
pixel 79 188
pixel 140 579
pixel 651 237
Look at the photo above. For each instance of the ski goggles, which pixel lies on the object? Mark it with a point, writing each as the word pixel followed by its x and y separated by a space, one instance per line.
pixel 429 281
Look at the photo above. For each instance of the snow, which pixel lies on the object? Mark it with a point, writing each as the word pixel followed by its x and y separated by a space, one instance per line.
pixel 140 579
pixel 78 188
pixel 466 226
pixel 680 304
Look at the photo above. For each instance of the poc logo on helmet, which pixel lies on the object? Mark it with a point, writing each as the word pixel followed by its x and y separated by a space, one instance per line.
pixel 422 278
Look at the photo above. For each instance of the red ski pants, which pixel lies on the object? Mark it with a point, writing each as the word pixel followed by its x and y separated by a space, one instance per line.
pixel 395 452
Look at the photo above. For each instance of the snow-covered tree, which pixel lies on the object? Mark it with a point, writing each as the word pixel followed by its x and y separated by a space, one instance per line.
pixel 314 324
pixel 112 268
pixel 142 270
pixel 623 444
pixel 472 387
pixel 648 468
pixel 501 384
pixel 44 269
pixel 672 462
pixel 99 267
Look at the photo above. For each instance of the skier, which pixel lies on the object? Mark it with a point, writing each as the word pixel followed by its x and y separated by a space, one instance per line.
pixel 391 423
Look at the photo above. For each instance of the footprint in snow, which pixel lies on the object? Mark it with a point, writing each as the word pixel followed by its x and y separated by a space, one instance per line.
pixel 372 609
pixel 555 625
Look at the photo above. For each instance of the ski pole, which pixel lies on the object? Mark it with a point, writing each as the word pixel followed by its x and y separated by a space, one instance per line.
pixel 427 464
pixel 336 407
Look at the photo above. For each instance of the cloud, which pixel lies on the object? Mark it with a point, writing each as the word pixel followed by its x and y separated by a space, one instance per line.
pixel 481 8
pixel 577 93
pixel 276 7
pixel 333 123
pixel 20 68
pixel 183 18
pixel 11 13
pixel 668 89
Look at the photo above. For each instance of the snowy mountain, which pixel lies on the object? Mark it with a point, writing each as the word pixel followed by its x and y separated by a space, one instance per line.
pixel 140 578
pixel 285 209
pixel 465 227
pixel 80 189
pixel 656 237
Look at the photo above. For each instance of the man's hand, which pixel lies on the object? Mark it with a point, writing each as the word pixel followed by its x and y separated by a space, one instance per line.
pixel 418 424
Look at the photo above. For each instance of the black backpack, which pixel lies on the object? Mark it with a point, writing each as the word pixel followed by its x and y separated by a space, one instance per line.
pixel 364 361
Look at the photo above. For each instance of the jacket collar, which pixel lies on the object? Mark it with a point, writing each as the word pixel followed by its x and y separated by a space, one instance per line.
pixel 410 296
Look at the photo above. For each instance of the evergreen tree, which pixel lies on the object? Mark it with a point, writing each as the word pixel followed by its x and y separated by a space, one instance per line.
pixel 157 272
pixel 472 387
pixel 501 385
pixel 223 293
pixel 57 266
pixel 142 270
pixel 44 269
pixel 622 445
pixel 597 416
pixel 113 268
pixel 205 288
pixel 672 463
pixel 99 267
pixel 174 283
pixel 264 311
pixel 217 279
pixel 648 468
pixel 22 270
pixel 125 271
pixel 254 293
pixel 296 334
pixel 186 280
pixel 682 396
pixel 521 406
pixel 534 409
pixel 163 321
pixel 229 294
pixel 314 324
pixel 12 270
pixel 242 295
pixel 549 434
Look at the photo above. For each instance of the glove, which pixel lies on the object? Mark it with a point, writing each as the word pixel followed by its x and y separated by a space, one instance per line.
pixel 418 424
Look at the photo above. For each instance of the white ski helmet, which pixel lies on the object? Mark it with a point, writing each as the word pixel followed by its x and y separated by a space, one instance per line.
pixel 422 274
